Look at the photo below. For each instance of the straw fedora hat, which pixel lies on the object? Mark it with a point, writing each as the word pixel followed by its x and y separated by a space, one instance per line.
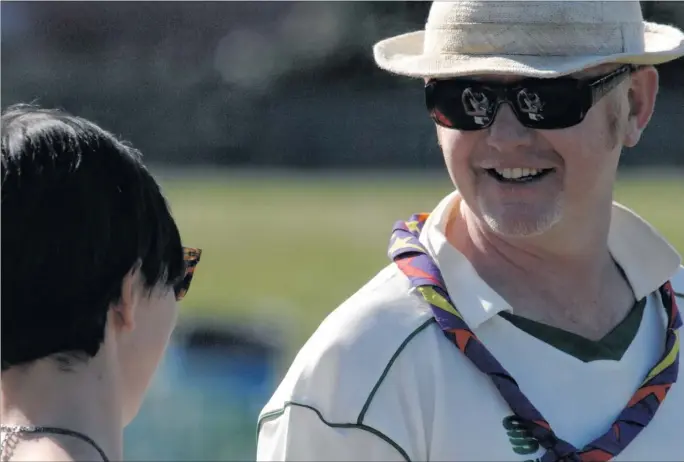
pixel 528 38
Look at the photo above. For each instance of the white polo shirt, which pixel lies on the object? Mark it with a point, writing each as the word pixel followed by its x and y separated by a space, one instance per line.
pixel 379 381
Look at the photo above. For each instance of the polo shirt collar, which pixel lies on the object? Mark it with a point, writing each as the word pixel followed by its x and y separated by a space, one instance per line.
pixel 647 259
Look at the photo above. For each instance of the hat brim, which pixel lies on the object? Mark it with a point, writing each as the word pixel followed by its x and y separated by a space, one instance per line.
pixel 403 55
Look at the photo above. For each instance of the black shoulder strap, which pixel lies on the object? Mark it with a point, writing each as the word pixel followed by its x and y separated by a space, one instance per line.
pixel 58 431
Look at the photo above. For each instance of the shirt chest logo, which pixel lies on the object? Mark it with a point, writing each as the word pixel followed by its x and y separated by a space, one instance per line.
pixel 520 438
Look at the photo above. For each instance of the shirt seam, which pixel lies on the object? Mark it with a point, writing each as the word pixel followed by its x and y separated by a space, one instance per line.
pixel 389 365
pixel 360 426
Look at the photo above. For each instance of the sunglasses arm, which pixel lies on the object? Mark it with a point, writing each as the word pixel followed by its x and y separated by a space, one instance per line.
pixel 609 82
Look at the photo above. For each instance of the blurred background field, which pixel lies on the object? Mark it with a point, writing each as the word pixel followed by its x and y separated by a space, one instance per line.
pixel 287 156
pixel 291 247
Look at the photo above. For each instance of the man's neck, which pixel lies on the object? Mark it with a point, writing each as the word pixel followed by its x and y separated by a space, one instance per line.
pixel 83 400
pixel 560 284
pixel 581 254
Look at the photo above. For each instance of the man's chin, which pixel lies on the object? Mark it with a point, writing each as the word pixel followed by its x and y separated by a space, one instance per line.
pixel 521 227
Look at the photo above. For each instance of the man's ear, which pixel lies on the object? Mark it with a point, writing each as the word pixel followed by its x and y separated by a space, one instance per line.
pixel 642 95
pixel 124 309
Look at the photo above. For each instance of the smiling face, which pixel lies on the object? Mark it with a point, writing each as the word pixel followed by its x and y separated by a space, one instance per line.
pixel 523 182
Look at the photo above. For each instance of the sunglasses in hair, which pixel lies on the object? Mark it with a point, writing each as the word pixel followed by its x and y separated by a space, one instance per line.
pixel 543 104
pixel 190 259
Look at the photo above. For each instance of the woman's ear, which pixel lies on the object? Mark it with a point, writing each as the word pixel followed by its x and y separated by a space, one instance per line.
pixel 124 310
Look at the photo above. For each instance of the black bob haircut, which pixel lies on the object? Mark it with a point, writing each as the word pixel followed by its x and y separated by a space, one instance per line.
pixel 79 212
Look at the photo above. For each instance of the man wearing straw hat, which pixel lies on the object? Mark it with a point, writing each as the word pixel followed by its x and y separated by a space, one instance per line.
pixel 528 317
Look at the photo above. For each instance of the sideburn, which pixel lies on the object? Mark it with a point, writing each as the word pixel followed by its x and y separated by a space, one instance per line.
pixel 617 119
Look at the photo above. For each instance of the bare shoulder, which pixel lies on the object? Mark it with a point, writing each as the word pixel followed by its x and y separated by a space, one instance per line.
pixel 53 448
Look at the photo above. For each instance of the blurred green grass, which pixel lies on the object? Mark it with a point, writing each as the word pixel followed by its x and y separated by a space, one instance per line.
pixel 284 251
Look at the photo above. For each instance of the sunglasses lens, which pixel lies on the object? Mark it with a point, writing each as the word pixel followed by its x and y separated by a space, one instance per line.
pixel 551 105
pixel 191 257
pixel 459 104
pixel 181 288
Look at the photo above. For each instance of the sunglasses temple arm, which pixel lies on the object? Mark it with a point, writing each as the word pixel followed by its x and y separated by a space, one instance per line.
pixel 602 87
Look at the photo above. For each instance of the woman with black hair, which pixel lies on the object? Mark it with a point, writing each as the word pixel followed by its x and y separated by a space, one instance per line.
pixel 92 269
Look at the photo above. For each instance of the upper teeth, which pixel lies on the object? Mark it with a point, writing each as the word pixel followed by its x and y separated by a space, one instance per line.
pixel 517 172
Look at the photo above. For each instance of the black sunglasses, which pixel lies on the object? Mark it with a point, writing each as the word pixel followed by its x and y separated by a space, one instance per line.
pixel 190 259
pixel 544 104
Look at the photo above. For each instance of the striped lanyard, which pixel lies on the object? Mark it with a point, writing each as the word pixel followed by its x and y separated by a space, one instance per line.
pixel 413 260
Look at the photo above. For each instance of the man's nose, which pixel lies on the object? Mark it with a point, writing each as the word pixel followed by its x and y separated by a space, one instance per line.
pixel 506 132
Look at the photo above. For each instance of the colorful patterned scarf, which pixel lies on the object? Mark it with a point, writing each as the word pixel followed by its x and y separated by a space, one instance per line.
pixel 413 260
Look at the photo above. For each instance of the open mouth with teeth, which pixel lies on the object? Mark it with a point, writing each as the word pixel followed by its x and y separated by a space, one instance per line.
pixel 518 175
